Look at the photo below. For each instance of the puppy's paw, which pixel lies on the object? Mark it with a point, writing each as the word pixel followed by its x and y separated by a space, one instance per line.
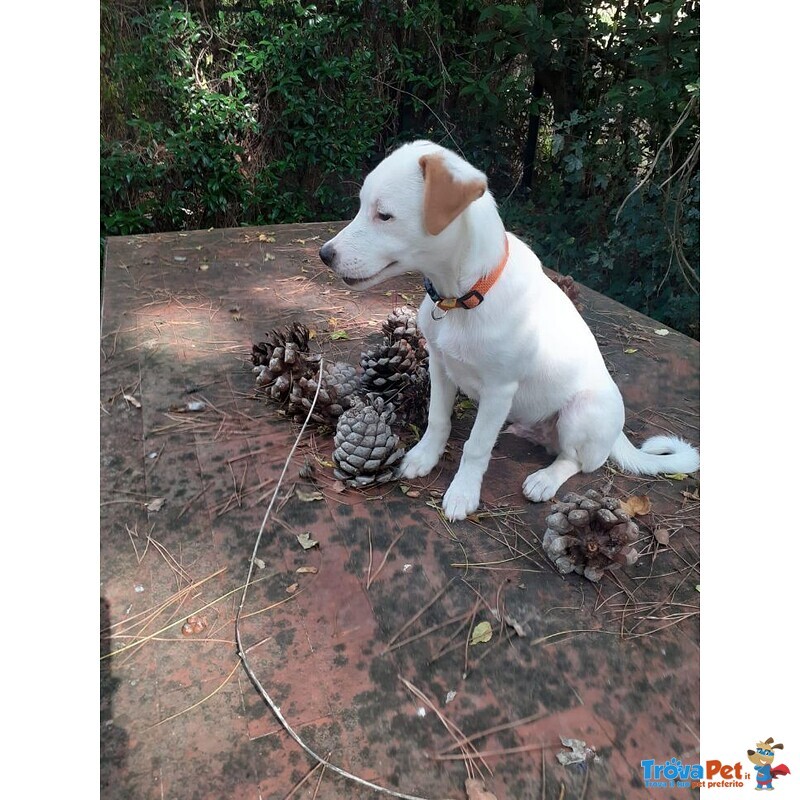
pixel 540 486
pixel 461 499
pixel 418 461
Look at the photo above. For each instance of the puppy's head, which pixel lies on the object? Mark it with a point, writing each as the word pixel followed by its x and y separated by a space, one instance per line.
pixel 408 204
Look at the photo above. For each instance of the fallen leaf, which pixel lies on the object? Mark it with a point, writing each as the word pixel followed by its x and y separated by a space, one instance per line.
pixel 193 406
pixel 661 535
pixel 676 476
pixel 631 350
pixel 324 462
pixel 339 335
pixel 476 790
pixel 405 488
pixel 292 589
pixel 203 267
pixel 132 400
pixel 412 493
pixel 661 331
pixel 262 237
pixel 518 628
pixel 306 570
pixel 578 753
pixel 312 334
pixel 156 504
pixel 482 632
pixel 307 496
pixel 306 541
pixel 636 505
pixel 259 563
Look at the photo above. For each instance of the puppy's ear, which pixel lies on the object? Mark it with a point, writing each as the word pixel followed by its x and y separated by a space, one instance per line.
pixel 447 195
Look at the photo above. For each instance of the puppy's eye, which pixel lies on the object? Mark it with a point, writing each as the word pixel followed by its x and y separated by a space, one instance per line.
pixel 383 217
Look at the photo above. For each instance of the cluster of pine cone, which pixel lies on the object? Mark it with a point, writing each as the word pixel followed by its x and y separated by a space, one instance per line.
pixel 590 534
pixel 393 384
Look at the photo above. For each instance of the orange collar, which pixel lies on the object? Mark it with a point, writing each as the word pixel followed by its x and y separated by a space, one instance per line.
pixel 474 297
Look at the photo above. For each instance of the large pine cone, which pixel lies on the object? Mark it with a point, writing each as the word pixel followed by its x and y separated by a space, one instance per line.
pixel 589 534
pixel 282 359
pixel 366 450
pixel 401 323
pixel 340 383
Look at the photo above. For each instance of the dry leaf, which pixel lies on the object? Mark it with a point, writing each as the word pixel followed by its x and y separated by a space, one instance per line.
pixel 676 476
pixel 262 237
pixel 156 504
pixel 482 632
pixel 518 628
pixel 307 496
pixel 260 563
pixel 306 541
pixel 132 400
pixel 476 790
pixel 307 570
pixel 578 753
pixel 192 406
pixel 631 350
pixel 292 589
pixel 324 462
pixel 636 506
pixel 661 535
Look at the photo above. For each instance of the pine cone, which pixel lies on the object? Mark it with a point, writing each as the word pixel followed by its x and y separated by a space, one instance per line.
pixel 394 372
pixel 339 385
pixel 283 359
pixel 589 534
pixel 366 448
pixel 401 323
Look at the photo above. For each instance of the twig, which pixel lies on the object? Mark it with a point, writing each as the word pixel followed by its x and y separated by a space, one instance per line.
pixel 304 779
pixel 496 729
pixel 421 611
pixel 240 647
pixel 199 702
pixel 396 539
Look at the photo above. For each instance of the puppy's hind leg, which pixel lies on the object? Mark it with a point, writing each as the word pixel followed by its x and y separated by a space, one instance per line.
pixel 425 455
pixel 587 428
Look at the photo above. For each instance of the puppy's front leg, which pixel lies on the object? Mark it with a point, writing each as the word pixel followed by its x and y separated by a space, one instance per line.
pixel 464 493
pixel 423 457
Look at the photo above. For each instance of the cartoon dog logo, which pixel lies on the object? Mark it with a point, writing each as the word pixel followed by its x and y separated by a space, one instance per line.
pixel 762 757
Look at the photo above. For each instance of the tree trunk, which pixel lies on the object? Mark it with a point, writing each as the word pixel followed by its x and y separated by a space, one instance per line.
pixel 532 141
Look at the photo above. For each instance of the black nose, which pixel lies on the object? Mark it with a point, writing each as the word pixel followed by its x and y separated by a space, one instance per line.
pixel 327 254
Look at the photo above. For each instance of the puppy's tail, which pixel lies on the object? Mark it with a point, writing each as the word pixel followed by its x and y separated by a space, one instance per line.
pixel 660 454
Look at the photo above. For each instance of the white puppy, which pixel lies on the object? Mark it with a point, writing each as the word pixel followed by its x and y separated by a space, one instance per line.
pixel 523 353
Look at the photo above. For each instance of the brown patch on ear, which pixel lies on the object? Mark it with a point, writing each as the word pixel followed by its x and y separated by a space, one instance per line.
pixel 445 197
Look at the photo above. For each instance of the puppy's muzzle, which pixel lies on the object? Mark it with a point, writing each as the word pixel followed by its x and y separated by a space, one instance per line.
pixel 327 254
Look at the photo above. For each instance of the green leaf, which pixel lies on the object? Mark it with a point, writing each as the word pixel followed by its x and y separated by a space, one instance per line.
pixel 339 335
pixel 481 633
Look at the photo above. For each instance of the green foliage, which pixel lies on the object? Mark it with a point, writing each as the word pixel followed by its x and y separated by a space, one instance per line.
pixel 226 112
